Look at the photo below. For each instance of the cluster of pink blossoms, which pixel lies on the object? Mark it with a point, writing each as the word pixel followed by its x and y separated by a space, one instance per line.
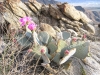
pixel 29 22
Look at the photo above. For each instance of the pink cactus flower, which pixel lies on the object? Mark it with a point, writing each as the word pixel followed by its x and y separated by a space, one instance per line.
pixel 32 26
pixel 29 50
pixel 74 39
pixel 84 36
pixel 42 51
pixel 66 52
pixel 24 20
pixel 14 40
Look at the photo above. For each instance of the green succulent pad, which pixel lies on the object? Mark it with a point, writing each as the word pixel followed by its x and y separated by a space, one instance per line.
pixel 52 47
pixel 37 51
pixel 56 59
pixel 66 35
pixel 61 44
pixel 29 35
pixel 67 56
pixel 82 49
pixel 24 41
pixel 50 39
pixel 43 37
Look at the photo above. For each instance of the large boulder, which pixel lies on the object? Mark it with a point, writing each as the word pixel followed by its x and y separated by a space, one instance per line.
pixel 84 18
pixel 69 11
pixel 37 5
pixel 48 28
pixel 54 12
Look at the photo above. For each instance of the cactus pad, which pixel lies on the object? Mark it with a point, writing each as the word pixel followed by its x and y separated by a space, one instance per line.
pixel 43 37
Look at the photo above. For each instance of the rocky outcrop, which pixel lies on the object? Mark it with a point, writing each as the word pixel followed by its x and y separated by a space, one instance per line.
pixel 73 13
pixel 48 18
pixel 69 11
pixel 93 15
pixel 64 14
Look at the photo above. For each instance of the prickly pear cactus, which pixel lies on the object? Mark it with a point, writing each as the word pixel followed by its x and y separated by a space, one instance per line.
pixel 25 40
pixel 52 47
pixel 38 52
pixel 60 45
pixel 29 35
pixel 66 35
pixel 82 49
pixel 43 37
pixel 67 55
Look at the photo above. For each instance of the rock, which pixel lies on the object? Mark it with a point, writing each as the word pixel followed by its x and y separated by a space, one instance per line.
pixel 25 8
pixel 69 11
pixel 48 28
pixel 57 28
pixel 73 33
pixel 99 25
pixel 84 18
pixel 15 9
pixel 11 18
pixel 3 25
pixel 73 23
pixel 76 29
pixel 37 5
pixel 90 28
pixel 97 30
pixel 95 50
pixel 68 26
pixel 48 20
pixel 62 24
pixel 54 12
pixel 78 23
pixel 32 8
pixel 83 31
pixel 45 10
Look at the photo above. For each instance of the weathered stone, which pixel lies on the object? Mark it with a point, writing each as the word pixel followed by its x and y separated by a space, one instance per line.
pixel 90 28
pixel 84 18
pixel 69 26
pixel 37 5
pixel 25 8
pixel 48 28
pixel 32 8
pixel 78 23
pixel 76 29
pixel 97 30
pixel 54 12
pixel 48 20
pixel 73 33
pixel 69 11
pixel 62 24
pixel 16 9
pixel 45 10
pixel 57 28
pixel 83 31
pixel 11 18
pixel 73 23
